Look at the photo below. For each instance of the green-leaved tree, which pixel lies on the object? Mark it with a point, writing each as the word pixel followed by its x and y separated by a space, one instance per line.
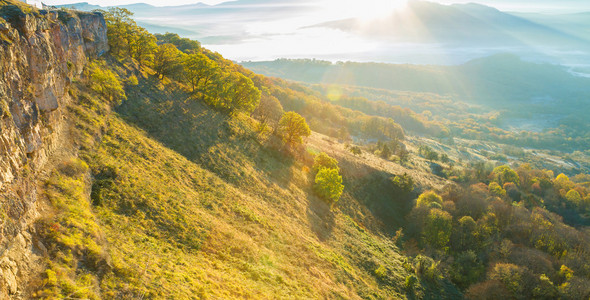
pixel 292 127
pixel 328 184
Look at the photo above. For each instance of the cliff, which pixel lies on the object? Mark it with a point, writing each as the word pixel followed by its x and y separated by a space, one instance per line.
pixel 41 53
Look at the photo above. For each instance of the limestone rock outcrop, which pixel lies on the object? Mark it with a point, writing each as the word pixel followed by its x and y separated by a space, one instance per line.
pixel 41 53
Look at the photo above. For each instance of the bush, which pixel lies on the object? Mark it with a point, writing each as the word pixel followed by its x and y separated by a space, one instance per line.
pixel 106 83
pixel 328 184
pixel 132 80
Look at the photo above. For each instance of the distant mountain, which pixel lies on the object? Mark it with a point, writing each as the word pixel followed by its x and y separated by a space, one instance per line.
pixel 221 23
pixel 576 24
pixel 501 80
pixel 84 6
pixel 469 24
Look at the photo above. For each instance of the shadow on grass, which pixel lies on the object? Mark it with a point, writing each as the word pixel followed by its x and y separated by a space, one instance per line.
pixel 375 193
pixel 321 218
pixel 216 141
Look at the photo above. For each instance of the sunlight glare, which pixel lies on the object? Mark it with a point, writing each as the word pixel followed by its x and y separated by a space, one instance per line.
pixel 366 9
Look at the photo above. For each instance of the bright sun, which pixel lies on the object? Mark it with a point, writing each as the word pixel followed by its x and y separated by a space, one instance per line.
pixel 367 9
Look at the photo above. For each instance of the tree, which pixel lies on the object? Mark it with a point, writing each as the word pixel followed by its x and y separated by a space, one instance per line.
pixel 574 198
pixel 268 112
pixel 437 230
pixel 183 44
pixel 167 60
pixel 467 269
pixel 504 174
pixel 328 184
pixel 292 127
pixel 403 184
pixel 142 46
pixel 199 70
pixel 464 234
pixel 385 152
pixel 496 190
pixel 119 30
pixel 323 160
pixel 242 95
pixel 429 199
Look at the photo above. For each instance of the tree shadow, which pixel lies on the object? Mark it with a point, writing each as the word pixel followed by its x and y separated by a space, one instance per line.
pixel 321 218
pixel 216 141
pixel 373 199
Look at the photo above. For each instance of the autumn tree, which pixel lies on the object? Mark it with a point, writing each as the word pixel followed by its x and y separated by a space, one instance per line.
pixel 437 230
pixel 504 174
pixel 241 95
pixel 496 190
pixel 119 30
pixel 183 44
pixel 292 127
pixel 268 112
pixel 142 46
pixel 429 199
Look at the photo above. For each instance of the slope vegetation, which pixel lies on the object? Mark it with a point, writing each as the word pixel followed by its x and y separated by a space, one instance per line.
pixel 177 200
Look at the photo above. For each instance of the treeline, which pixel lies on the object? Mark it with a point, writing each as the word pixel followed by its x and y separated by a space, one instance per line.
pixel 325 117
pixel 210 77
pixel 232 88
pixel 504 237
pixel 404 116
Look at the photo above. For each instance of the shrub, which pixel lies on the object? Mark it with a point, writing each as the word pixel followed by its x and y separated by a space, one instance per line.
pixel 106 83
pixel 132 80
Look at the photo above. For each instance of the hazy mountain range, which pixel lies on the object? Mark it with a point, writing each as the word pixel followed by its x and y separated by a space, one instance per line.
pixel 466 24
pixel 422 32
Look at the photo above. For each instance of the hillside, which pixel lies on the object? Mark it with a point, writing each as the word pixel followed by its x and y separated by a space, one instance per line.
pixel 195 192
pixel 505 94
pixel 161 170
pixel 499 80
pixel 468 24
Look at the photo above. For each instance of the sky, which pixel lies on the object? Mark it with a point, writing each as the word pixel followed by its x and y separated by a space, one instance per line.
pixel 123 2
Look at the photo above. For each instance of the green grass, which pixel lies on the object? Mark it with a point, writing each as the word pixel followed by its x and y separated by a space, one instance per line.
pixel 173 200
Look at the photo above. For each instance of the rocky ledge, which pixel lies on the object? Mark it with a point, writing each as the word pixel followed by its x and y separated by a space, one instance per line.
pixel 41 53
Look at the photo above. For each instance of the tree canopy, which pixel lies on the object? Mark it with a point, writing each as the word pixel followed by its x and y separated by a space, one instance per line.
pixel 292 128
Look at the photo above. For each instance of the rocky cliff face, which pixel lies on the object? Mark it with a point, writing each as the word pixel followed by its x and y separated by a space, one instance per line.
pixel 41 52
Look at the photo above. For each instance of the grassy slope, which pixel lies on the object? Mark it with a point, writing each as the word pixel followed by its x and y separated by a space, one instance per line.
pixel 191 204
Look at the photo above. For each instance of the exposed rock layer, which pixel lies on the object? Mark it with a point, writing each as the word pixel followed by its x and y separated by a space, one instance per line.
pixel 41 52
